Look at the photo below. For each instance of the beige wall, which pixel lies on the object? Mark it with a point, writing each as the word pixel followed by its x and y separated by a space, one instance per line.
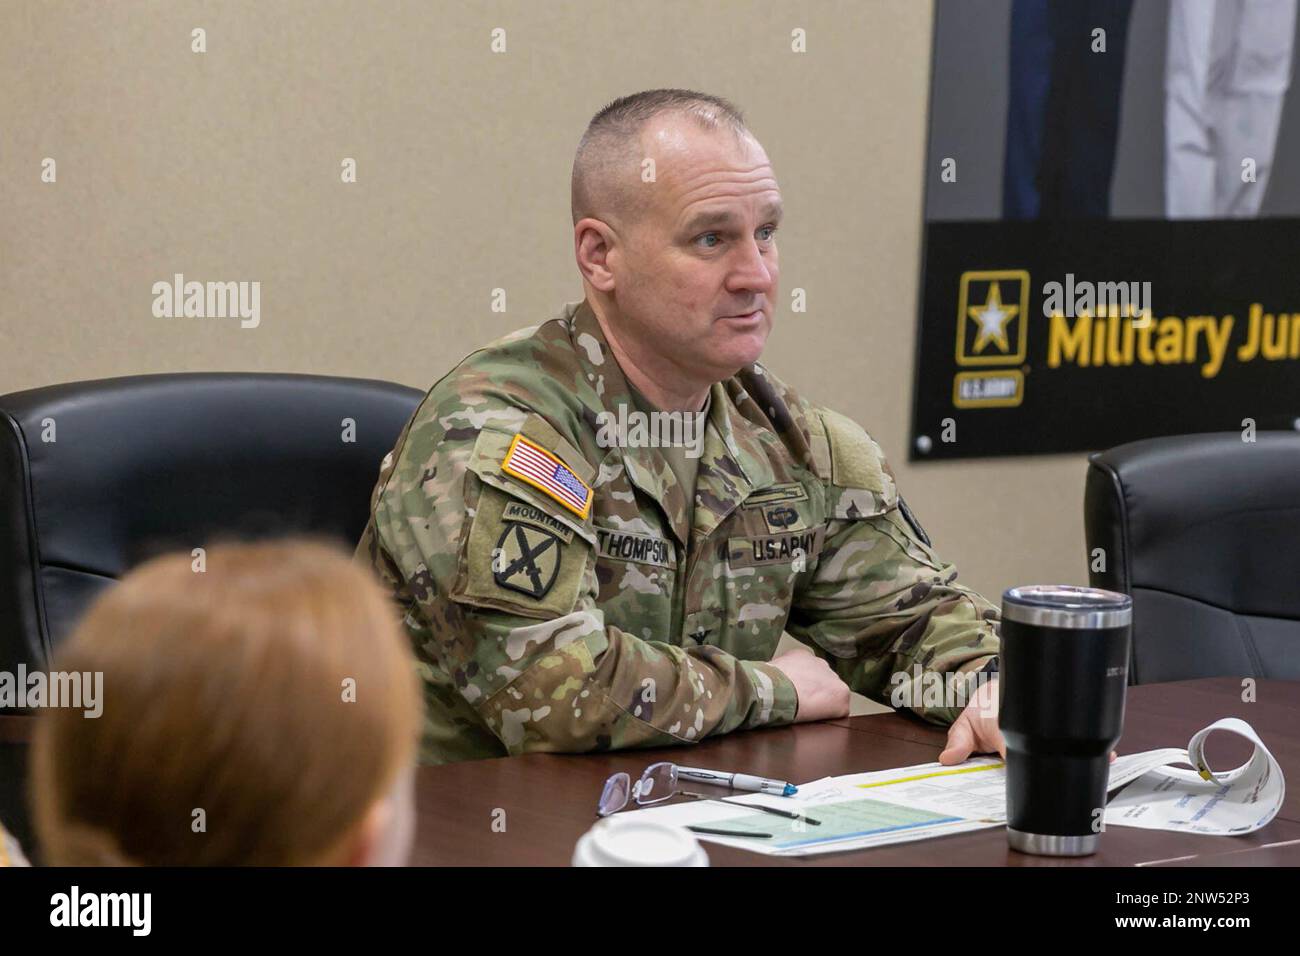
pixel 226 166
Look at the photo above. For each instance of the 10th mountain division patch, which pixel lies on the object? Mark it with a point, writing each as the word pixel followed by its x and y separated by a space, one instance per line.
pixel 526 559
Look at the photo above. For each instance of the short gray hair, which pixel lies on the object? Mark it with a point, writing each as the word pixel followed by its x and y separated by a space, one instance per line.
pixel 610 148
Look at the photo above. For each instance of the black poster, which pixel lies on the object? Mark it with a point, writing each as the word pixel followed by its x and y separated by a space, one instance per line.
pixel 1112 237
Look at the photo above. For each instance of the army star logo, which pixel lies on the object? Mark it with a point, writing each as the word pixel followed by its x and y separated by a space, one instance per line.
pixel 527 560
pixel 993 317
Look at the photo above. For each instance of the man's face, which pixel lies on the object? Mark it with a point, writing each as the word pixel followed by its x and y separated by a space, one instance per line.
pixel 697 277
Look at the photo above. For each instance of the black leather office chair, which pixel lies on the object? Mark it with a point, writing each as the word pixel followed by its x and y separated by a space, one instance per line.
pixel 1204 532
pixel 96 477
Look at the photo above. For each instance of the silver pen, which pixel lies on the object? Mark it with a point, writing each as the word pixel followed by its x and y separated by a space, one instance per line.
pixel 736 781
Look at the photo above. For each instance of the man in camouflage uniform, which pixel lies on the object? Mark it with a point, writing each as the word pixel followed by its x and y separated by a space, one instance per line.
pixel 568 585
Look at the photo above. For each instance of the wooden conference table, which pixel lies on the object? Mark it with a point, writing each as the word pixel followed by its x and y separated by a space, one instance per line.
pixel 549 800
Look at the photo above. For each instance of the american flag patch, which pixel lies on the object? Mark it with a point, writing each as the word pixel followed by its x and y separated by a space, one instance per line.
pixel 531 463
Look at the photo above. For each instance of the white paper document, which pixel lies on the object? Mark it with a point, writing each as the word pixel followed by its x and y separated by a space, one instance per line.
pixel 928 800
pixel 1164 797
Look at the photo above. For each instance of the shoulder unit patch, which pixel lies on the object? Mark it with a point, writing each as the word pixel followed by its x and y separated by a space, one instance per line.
pixel 526 559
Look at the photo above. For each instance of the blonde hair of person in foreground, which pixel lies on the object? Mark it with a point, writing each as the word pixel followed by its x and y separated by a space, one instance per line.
pixel 262 711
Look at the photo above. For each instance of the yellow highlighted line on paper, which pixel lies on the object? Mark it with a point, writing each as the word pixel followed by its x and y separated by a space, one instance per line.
pixel 936 773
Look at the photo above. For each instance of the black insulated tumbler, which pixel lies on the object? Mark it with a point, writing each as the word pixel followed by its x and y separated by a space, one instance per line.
pixel 1063 673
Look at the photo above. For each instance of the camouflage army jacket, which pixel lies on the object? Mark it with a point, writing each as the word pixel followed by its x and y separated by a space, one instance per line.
pixel 558 600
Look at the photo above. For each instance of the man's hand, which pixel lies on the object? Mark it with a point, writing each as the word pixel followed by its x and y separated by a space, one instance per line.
pixel 822 695
pixel 976 728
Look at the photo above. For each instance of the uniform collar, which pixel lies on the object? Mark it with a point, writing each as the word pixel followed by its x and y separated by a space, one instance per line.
pixel 733 462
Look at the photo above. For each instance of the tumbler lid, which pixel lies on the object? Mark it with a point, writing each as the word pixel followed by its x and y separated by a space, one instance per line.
pixel 1067 606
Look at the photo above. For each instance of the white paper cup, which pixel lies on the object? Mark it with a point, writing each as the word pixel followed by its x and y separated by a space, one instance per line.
pixel 627 841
